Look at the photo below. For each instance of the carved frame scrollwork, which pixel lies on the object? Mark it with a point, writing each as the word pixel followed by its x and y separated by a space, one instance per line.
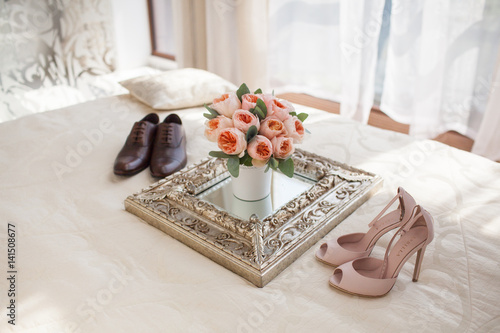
pixel 257 250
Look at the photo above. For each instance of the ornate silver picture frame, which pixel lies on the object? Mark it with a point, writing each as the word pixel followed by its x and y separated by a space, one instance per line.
pixel 255 248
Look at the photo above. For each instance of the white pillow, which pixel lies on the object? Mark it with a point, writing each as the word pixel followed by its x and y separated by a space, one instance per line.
pixel 178 88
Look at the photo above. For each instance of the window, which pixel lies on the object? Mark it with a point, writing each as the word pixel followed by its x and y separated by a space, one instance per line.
pixel 161 27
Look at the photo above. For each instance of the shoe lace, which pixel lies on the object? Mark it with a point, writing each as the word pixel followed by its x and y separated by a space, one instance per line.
pixel 167 134
pixel 138 132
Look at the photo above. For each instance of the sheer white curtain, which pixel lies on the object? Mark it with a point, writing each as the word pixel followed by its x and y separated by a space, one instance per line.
pixel 437 68
pixel 226 37
pixel 487 141
pixel 304 53
pixel 326 48
pixel 441 56
pixel 438 63
pixel 360 22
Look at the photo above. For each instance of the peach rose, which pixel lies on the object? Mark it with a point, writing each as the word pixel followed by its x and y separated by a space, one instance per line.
pixel 281 109
pixel 249 101
pixel 282 147
pixel 260 150
pixel 226 104
pixel 215 125
pixel 277 107
pixel 268 100
pixel 243 119
pixel 271 127
pixel 232 141
pixel 294 129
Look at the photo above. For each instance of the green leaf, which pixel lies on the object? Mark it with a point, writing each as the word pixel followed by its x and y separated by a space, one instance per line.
pixel 219 154
pixel 251 133
pixel 233 165
pixel 267 167
pixel 260 103
pixel 258 91
pixel 209 116
pixel 293 113
pixel 242 90
pixel 246 160
pixel 212 111
pixel 273 163
pixel 302 116
pixel 259 112
pixel 286 166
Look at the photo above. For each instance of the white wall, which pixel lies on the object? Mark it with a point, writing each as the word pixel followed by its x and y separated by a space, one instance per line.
pixel 133 41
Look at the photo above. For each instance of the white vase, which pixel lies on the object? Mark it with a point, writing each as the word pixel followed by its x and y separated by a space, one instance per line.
pixel 245 209
pixel 252 183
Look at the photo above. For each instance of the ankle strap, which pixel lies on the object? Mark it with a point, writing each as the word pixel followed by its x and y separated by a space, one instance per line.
pixel 401 196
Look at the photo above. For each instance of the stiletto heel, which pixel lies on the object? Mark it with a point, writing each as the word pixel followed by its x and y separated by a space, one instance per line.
pixel 375 277
pixel 351 246
pixel 418 263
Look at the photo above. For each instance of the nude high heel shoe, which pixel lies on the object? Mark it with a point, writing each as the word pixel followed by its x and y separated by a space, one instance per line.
pixel 351 246
pixel 373 277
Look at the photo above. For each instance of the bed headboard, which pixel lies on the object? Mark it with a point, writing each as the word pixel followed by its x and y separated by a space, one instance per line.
pixel 48 44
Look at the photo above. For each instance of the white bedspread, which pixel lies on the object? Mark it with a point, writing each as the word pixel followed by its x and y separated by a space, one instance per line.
pixel 84 264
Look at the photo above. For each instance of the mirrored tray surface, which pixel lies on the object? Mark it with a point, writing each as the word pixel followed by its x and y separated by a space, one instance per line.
pixel 283 190
pixel 256 240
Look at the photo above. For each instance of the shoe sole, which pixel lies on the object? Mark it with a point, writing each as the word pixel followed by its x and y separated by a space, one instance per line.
pixel 355 294
pixel 326 262
pixel 164 176
pixel 128 173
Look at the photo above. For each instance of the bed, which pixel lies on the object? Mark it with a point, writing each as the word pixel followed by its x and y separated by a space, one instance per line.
pixel 84 264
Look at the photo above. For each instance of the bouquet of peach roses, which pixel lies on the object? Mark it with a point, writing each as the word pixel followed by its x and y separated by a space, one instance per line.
pixel 254 130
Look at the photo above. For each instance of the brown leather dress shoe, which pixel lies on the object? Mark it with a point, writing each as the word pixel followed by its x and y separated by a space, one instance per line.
pixel 169 150
pixel 135 154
